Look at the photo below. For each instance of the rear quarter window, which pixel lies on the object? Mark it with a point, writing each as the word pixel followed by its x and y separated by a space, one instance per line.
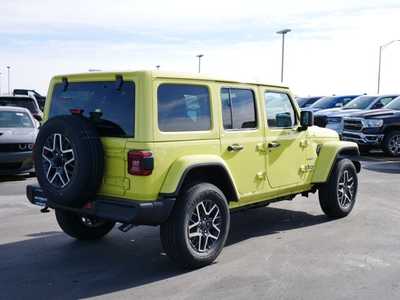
pixel 183 107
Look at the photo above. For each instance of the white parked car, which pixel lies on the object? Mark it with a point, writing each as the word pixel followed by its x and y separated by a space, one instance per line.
pixel 18 131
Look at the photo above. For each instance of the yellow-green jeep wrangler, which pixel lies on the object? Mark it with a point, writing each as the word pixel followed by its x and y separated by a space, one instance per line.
pixel 182 152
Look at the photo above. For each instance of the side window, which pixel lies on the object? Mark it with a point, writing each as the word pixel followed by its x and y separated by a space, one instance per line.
pixel 183 107
pixel 279 110
pixel 347 100
pixel 238 108
pixel 382 102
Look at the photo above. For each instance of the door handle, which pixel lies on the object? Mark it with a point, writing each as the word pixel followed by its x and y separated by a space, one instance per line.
pixel 273 145
pixel 235 147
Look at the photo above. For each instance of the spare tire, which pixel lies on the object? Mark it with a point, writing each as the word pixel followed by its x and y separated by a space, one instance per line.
pixel 69 160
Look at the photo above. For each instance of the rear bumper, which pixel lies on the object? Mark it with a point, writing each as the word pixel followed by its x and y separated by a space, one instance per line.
pixel 16 162
pixel 114 209
pixel 363 139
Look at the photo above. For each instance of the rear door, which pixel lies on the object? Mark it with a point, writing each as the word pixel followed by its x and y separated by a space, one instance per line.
pixel 242 140
pixel 285 143
pixel 112 109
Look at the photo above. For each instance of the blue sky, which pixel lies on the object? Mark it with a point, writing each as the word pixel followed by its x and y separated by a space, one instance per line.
pixel 333 47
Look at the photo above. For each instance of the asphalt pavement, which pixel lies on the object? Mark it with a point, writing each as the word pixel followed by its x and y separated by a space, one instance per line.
pixel 288 250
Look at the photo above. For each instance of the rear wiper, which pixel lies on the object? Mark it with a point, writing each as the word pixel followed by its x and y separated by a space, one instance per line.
pixel 119 81
pixel 65 83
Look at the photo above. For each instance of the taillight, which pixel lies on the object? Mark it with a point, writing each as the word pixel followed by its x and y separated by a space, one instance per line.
pixel 76 111
pixel 140 163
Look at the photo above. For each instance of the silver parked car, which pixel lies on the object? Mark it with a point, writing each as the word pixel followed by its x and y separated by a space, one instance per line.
pixel 18 131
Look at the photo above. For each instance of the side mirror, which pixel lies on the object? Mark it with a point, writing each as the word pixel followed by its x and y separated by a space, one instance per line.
pixel 38 117
pixel 306 119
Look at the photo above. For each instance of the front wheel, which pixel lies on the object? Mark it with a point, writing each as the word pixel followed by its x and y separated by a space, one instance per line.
pixel 196 230
pixel 82 228
pixel 338 195
pixel 391 143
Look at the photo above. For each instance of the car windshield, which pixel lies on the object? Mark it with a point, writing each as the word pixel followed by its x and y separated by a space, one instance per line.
pixel 326 102
pixel 110 107
pixel 19 102
pixel 395 104
pixel 15 119
pixel 307 101
pixel 361 102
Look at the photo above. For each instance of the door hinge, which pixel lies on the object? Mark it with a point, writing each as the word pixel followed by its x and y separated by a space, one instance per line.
pixel 261 147
pixel 261 175
pixel 303 143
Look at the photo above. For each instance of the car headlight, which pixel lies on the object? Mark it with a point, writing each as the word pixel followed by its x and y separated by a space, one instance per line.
pixel 372 123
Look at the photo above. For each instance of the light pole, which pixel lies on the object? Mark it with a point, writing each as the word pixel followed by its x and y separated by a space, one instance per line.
pixel 8 79
pixel 200 56
pixel 283 33
pixel 380 61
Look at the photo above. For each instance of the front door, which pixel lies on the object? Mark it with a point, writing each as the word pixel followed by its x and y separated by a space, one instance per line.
pixel 241 139
pixel 286 145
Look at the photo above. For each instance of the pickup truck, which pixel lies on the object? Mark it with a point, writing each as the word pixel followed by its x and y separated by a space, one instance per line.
pixel 377 129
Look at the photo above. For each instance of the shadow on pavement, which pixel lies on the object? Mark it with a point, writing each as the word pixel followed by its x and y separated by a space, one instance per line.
pixel 377 161
pixel 9 178
pixel 391 167
pixel 268 220
pixel 51 265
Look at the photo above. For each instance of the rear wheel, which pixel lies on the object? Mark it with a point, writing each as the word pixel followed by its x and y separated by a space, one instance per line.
pixel 391 143
pixel 338 195
pixel 83 228
pixel 196 231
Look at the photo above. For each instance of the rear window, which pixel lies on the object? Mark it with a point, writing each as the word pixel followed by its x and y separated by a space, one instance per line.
pixel 183 107
pixel 110 108
pixel 19 102
pixel 15 119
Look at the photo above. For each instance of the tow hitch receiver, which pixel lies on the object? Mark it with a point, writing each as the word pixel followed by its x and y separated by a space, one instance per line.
pixel 36 196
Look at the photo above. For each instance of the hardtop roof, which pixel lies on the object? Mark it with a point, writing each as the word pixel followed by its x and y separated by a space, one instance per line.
pixel 171 75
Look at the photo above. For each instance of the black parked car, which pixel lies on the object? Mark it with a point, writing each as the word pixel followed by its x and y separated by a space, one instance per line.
pixel 379 128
